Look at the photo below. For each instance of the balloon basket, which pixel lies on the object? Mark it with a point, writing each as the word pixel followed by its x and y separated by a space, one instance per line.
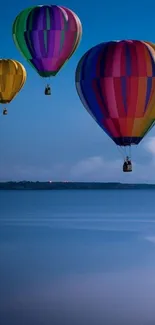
pixel 5 112
pixel 47 90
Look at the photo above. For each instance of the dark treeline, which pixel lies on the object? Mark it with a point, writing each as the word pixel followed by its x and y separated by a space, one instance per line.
pixel 26 185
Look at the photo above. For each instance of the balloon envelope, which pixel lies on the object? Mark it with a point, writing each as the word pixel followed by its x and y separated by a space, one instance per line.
pixel 116 83
pixel 47 36
pixel 12 79
pixel 151 47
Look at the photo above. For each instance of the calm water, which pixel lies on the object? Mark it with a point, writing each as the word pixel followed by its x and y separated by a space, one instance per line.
pixel 77 257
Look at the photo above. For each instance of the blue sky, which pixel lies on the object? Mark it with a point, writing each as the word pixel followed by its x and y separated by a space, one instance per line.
pixel 54 137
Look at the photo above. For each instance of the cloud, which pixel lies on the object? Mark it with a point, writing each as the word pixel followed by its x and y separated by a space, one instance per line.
pixel 93 168
pixel 99 169
pixel 150 145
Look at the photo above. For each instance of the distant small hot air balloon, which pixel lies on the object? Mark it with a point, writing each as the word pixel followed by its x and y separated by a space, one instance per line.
pixel 116 83
pixel 12 79
pixel 47 36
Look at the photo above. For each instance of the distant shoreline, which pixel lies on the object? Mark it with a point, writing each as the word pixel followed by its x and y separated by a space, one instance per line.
pixel 27 185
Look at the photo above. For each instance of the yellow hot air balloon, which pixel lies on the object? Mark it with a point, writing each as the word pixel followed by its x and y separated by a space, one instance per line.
pixel 12 79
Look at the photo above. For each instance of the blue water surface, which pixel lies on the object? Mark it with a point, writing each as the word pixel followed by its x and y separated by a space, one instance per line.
pixel 77 257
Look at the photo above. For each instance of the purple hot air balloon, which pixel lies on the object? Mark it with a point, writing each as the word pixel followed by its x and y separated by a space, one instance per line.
pixel 47 36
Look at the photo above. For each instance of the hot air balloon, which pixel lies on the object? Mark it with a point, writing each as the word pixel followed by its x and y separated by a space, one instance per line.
pixel 116 83
pixel 47 36
pixel 12 79
pixel 150 46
